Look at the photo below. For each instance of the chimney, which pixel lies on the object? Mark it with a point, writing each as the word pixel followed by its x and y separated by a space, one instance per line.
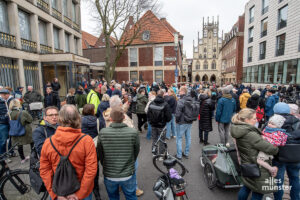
pixel 163 19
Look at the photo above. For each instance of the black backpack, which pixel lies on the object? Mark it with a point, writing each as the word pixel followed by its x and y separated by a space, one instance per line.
pixel 65 180
pixel 191 111
pixel 156 114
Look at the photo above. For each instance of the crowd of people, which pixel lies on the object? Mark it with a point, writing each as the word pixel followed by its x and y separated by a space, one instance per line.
pixel 255 118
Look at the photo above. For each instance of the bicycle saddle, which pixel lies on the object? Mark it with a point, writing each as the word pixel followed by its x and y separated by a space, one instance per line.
pixel 170 162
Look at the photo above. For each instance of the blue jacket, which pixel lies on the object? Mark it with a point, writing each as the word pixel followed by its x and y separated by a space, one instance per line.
pixel 4 119
pixel 117 92
pixel 89 125
pixel 109 92
pixel 101 108
pixel 39 135
pixel 270 103
pixel 225 109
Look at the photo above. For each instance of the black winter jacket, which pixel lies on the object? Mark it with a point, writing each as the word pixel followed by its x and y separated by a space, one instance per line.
pixel 254 101
pixel 206 108
pixel 172 103
pixel 33 96
pixel 52 99
pixel 89 125
pixel 237 101
pixel 39 135
pixel 55 86
pixel 292 127
pixel 158 103
pixel 179 115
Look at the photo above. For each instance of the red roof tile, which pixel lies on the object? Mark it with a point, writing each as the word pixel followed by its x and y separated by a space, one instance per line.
pixel 100 43
pixel 88 40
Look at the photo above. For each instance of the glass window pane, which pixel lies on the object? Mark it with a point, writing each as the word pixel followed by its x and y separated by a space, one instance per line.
pixel 133 56
pixel 3 17
pixel 282 17
pixel 56 38
pixel 65 8
pixel 54 4
pixel 67 42
pixel 43 33
pixel 73 12
pixel 158 76
pixel 133 76
pixel 158 56
pixel 279 73
pixel 76 45
pixel 291 71
pixel 24 25
pixel 270 77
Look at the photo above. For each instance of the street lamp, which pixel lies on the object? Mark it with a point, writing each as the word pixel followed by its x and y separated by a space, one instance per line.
pixel 176 49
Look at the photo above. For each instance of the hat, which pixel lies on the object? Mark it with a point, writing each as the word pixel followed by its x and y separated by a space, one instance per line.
pixel 294 108
pixel 227 89
pixel 256 92
pixel 277 120
pixel 272 91
pixel 281 108
pixel 4 91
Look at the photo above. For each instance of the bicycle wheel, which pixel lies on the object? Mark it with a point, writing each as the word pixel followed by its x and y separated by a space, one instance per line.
pixel 17 181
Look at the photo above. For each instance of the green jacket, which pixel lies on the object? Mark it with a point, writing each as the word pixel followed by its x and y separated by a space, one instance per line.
pixel 141 104
pixel 118 148
pixel 80 100
pixel 26 121
pixel 92 98
pixel 249 143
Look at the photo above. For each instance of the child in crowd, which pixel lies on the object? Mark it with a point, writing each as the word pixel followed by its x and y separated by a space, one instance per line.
pixel 274 135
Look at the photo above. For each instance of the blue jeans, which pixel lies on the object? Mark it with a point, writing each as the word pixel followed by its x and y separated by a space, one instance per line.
pixel 183 130
pixel 136 167
pixel 4 128
pixel 171 125
pixel 244 193
pixel 128 188
pixel 90 197
pixel 149 131
pixel 293 174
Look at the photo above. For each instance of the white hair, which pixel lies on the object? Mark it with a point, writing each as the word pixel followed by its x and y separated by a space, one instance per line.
pixel 115 101
pixel 118 86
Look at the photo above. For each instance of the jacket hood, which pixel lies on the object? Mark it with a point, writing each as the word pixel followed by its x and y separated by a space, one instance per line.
pixel 239 130
pixel 255 97
pixel 66 136
pixel 247 95
pixel 159 100
pixel 203 97
pixel 89 120
pixel 188 98
pixel 140 96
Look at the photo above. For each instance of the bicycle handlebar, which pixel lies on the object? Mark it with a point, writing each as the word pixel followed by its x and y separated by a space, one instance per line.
pixel 2 156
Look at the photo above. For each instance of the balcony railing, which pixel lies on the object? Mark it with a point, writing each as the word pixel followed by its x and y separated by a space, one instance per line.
pixel 249 59
pixel 28 45
pixel 263 33
pixel 43 5
pixel 67 21
pixel 7 40
pixel 280 52
pixel 45 49
pixel 56 14
pixel 250 40
pixel 265 10
pixel 262 56
pixel 58 51
pixel 76 27
pixel 281 24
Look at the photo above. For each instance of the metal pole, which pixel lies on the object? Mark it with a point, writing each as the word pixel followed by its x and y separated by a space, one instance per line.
pixel 176 78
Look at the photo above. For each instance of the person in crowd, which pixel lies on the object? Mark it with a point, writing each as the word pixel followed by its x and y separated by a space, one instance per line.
pixel 32 96
pixel 264 92
pixel 154 87
pixel 83 157
pixel 5 100
pixel 103 106
pixel 270 103
pixel 225 109
pixel 25 120
pixel 55 85
pixel 205 123
pixel 140 108
pixel 51 98
pixel 290 90
pixel 255 100
pixel 109 89
pixel 236 98
pixel 244 98
pixel 80 98
pixel 48 84
pixel 18 94
pixel 292 127
pixel 249 143
pixel 102 91
pixel 117 90
pixel 70 99
pixel 158 114
pixel 122 173
pixel 90 126
pixel 92 97
pixel 152 96
pixel 276 136
pixel 183 126
pixel 46 128
pixel 171 99
pixel 294 110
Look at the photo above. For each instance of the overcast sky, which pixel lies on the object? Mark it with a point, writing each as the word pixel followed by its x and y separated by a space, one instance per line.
pixel 185 16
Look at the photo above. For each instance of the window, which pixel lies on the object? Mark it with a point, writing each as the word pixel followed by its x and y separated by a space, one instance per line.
pixel 215 32
pixel 56 38
pixel 76 45
pixel 282 17
pixel 251 15
pixel 291 71
pixel 133 76
pixel 250 35
pixel 43 33
pixel 133 57
pixel 54 4
pixel 214 56
pixel 200 56
pixel 158 76
pixel 198 65
pixel 264 27
pixel 204 50
pixel 205 66
pixel 73 11
pixel 280 45
pixel 265 6
pixel 213 65
pixel 158 56
pixel 250 49
pixel 280 1
pixel 3 17
pixel 205 33
pixel 215 49
pixel 24 23
pixel 67 42
pixel 262 50
pixel 65 8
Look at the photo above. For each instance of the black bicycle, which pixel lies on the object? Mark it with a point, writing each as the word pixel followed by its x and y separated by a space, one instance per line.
pixel 15 184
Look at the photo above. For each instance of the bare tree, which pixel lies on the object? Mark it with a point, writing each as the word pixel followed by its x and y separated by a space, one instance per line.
pixel 113 16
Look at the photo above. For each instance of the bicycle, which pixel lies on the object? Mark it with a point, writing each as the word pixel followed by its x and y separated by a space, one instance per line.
pixel 15 184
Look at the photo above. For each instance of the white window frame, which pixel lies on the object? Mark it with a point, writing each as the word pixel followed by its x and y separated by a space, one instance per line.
pixel 133 61
pixel 158 60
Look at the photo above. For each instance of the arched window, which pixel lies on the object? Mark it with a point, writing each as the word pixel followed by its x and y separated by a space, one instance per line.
pixel 213 64
pixel 205 65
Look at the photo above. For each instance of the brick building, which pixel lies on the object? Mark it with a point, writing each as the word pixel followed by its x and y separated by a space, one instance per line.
pixel 151 56
pixel 232 53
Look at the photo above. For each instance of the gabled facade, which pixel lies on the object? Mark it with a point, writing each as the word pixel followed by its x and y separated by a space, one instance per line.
pixel 151 57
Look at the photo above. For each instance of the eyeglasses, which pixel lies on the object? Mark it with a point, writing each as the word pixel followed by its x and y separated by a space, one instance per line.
pixel 52 115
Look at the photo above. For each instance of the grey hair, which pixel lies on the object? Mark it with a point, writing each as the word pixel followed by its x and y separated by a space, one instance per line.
pixel 118 86
pixel 69 117
pixel 115 101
